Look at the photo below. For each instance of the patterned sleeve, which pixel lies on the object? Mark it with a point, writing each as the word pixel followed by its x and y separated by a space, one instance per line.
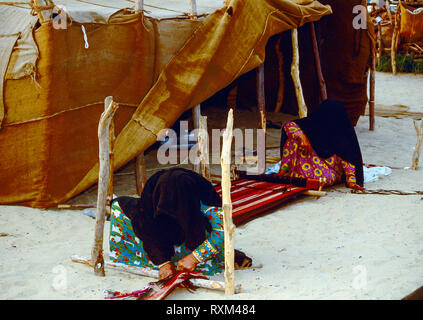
pixel 215 241
pixel 349 170
pixel 292 130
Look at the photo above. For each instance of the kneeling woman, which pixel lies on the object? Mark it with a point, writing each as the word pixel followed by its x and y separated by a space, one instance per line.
pixel 176 224
pixel 323 145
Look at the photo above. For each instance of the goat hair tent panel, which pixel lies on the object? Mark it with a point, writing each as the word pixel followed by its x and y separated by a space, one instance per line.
pixel 411 23
pixel 154 68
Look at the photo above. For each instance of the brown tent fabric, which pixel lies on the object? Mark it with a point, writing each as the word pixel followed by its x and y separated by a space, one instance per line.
pixel 346 56
pixel 48 142
pixel 411 23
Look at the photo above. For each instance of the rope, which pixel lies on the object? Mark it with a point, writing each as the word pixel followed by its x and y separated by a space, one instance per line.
pixel 13 3
pixel 161 8
pixel 100 5
pixel 38 8
pixel 16 4
pixel 146 5
pixel 383 192
pixel 63 111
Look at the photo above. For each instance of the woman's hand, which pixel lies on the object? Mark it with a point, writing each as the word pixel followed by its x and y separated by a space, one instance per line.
pixel 283 172
pixel 187 263
pixel 355 186
pixel 166 270
pixel 304 145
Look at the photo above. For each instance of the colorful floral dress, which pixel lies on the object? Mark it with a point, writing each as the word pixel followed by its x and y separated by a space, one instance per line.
pixel 312 166
pixel 127 248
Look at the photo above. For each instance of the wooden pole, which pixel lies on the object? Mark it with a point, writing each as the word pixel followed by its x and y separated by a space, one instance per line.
pixel 109 197
pixel 196 115
pixel 44 9
pixel 140 169
pixel 228 226
pixel 193 8
pixel 76 206
pixel 315 193
pixel 394 44
pixel 372 88
pixel 147 272
pixel 322 82
pixel 295 73
pixel 232 96
pixel 203 145
pixel 140 173
pixel 417 149
pixel 261 97
pixel 281 88
pixel 139 5
pixel 388 10
pixel 103 180
pixel 380 44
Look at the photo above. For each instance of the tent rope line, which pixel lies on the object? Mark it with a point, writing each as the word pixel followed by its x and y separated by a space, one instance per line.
pixel 17 4
pixel 63 111
pixel 14 3
pixel 382 192
pixel 138 121
pixel 161 8
pixel 100 5
pixel 146 5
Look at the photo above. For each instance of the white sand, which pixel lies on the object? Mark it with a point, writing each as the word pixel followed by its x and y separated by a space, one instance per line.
pixel 342 246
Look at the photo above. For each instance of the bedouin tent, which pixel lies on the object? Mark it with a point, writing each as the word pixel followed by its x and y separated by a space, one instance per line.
pixel 156 64
pixel 345 54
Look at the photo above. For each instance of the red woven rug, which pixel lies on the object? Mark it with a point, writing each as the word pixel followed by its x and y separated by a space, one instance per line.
pixel 251 198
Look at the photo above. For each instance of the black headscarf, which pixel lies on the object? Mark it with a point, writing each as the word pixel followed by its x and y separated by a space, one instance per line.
pixel 330 132
pixel 169 213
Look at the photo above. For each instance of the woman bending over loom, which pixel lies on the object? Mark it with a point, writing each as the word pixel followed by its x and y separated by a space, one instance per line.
pixel 323 145
pixel 176 225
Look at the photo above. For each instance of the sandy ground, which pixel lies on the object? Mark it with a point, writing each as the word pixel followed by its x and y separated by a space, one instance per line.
pixel 342 246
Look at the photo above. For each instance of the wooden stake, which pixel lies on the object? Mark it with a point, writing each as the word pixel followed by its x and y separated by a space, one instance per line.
pixel 196 115
pixel 388 10
pixel 380 44
pixel 228 226
pixel 109 197
pixel 261 97
pixel 139 5
pixel 394 45
pixel 45 11
pixel 147 272
pixel 295 73
pixel 140 173
pixel 372 88
pixel 103 180
pixel 76 206
pixel 322 82
pixel 203 146
pixel 232 96
pixel 281 88
pixel 417 149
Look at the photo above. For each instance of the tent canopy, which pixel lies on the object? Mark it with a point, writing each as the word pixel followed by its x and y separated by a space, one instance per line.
pixel 156 66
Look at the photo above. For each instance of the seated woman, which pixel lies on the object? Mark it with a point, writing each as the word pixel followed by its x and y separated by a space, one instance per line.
pixel 178 220
pixel 323 145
